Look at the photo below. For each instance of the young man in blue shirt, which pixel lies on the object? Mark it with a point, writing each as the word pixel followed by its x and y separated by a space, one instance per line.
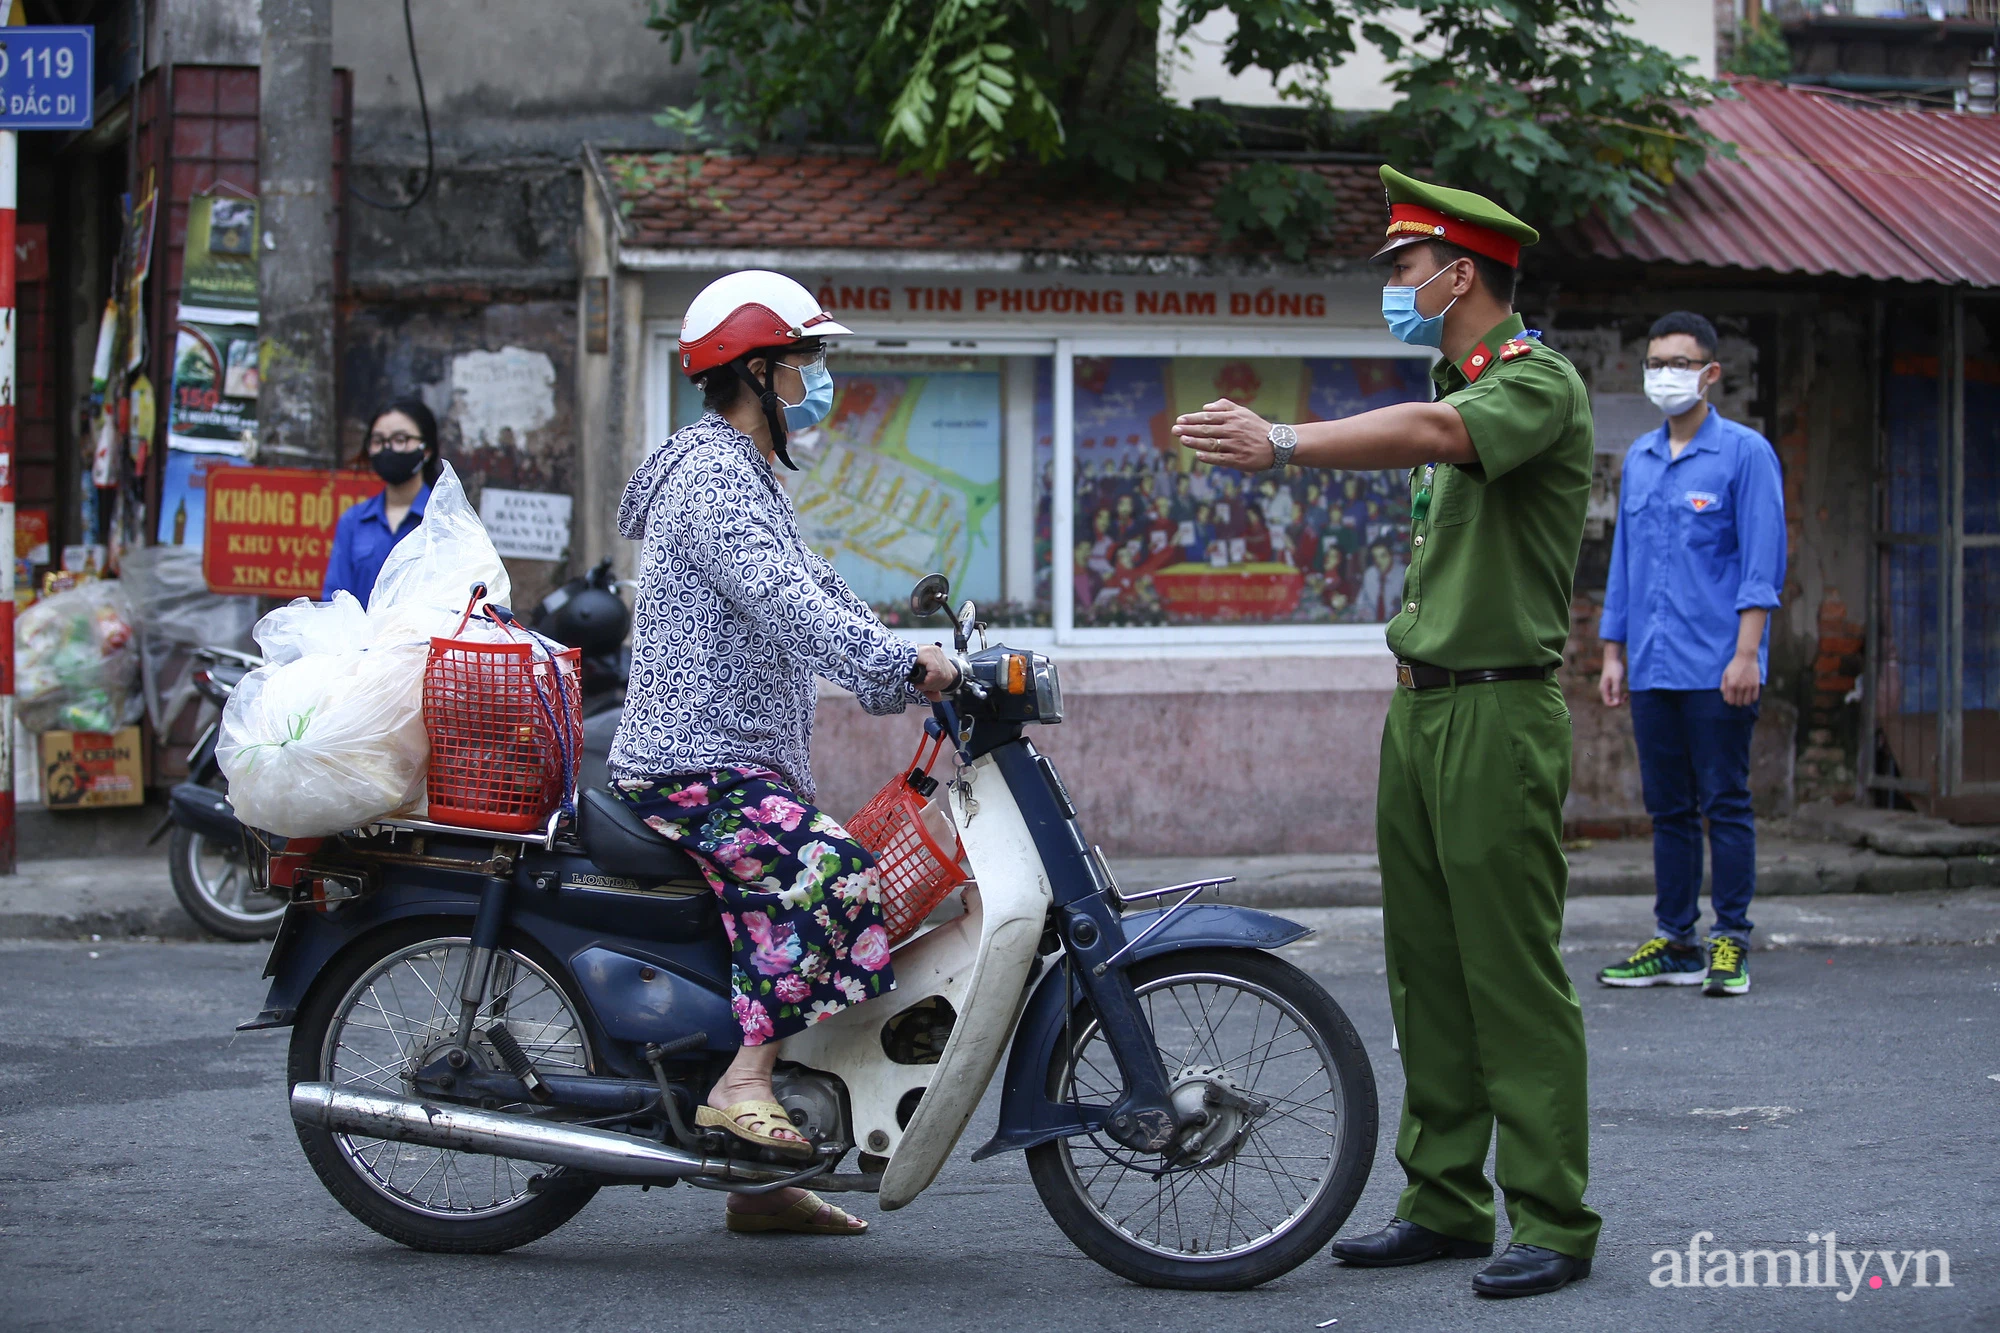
pixel 1697 560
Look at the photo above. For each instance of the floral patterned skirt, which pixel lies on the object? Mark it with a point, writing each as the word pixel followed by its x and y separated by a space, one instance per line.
pixel 800 899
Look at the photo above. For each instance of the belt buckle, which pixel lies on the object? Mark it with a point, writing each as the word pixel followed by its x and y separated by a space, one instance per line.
pixel 1406 677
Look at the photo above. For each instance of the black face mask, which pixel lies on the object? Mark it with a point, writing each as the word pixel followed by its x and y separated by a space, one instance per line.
pixel 396 466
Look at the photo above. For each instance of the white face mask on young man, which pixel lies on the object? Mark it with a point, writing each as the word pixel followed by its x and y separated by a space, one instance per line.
pixel 1674 391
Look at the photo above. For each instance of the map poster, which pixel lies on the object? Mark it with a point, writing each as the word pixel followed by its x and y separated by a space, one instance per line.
pixel 903 478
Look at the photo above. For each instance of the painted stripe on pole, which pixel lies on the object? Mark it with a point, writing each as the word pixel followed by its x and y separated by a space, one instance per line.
pixel 9 166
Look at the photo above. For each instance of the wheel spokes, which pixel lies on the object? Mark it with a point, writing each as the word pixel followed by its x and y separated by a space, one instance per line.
pixel 400 1017
pixel 1273 1152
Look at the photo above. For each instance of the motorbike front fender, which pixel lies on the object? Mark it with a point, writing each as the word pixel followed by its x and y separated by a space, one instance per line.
pixel 1027 1115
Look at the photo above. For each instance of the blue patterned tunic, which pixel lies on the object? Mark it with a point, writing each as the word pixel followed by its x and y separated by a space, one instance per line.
pixel 735 617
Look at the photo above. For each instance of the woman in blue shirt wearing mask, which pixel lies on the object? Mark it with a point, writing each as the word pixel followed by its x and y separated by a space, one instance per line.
pixel 402 447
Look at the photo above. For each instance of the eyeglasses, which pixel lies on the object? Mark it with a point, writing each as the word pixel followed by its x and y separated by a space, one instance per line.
pixel 817 362
pixel 400 441
pixel 1676 363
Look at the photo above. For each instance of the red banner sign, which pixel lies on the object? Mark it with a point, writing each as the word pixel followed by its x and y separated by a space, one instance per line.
pixel 270 530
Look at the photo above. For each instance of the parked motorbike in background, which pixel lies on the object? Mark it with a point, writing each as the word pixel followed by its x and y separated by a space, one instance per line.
pixel 588 613
pixel 217 869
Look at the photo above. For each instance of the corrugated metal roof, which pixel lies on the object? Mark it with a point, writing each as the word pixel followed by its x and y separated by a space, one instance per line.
pixel 1824 186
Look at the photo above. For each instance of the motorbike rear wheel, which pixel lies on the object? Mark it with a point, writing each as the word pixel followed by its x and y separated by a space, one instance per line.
pixel 384 1012
pixel 1264 1184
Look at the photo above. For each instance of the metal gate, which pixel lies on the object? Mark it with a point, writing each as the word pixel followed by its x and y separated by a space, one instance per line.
pixel 1933 696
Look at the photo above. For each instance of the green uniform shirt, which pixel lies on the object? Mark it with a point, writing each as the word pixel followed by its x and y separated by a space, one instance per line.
pixel 1493 556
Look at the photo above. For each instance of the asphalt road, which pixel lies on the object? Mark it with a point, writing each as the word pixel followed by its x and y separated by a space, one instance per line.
pixel 149 1177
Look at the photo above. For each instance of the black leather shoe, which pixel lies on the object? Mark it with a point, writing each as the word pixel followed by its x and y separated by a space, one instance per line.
pixel 1402 1243
pixel 1529 1270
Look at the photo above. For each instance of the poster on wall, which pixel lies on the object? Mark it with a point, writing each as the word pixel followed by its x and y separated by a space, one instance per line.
pixel 213 405
pixel 903 478
pixel 526 525
pixel 270 530
pixel 1163 539
pixel 184 496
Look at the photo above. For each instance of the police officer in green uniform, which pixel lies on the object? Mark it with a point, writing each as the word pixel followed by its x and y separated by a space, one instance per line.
pixel 1476 748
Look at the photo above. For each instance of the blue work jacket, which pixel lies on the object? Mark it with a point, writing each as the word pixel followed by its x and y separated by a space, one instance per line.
pixel 362 541
pixel 1700 538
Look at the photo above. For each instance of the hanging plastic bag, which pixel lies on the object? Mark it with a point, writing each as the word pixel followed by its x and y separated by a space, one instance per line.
pixel 434 566
pixel 76 657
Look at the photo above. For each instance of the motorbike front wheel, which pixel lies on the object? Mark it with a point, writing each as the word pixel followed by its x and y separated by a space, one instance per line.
pixel 1289 1099
pixel 385 1012
pixel 214 883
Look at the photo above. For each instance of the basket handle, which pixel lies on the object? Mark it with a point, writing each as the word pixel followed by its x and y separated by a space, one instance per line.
pixel 478 591
pixel 919 779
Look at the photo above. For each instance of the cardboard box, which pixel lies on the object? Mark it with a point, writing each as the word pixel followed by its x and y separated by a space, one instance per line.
pixel 83 770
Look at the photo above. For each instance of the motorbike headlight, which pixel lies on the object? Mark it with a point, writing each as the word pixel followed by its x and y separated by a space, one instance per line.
pixel 1048 691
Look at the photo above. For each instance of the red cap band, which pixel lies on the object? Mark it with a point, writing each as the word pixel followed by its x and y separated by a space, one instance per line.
pixel 1416 221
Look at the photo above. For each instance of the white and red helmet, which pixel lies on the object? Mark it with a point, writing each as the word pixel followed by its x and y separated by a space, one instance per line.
pixel 737 314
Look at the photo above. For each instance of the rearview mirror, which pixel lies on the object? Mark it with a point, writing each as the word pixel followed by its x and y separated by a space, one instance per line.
pixel 931 595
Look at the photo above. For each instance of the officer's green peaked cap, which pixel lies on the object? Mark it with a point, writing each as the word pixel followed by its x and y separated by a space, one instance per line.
pixel 1420 211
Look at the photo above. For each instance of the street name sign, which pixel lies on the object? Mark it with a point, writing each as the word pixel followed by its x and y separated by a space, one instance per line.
pixel 45 78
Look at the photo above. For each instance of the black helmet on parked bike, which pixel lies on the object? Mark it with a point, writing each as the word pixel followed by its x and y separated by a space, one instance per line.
pixel 586 613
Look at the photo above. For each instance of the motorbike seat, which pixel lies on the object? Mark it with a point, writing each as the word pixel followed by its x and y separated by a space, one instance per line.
pixel 619 843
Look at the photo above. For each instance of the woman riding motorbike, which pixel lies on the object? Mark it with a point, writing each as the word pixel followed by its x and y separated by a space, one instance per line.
pixel 734 618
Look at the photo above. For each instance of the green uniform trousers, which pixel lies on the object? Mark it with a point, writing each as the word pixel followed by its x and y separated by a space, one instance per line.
pixel 1469 824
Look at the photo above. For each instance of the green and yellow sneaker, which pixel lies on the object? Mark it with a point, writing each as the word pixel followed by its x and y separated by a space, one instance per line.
pixel 1657 962
pixel 1728 967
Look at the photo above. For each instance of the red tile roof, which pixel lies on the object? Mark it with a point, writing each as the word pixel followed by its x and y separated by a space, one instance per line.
pixel 1825 187
pixel 853 201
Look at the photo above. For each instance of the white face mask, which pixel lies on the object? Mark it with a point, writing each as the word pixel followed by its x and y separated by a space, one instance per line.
pixel 1674 391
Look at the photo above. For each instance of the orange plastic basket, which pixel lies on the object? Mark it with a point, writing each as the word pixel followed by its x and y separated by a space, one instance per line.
pixel 505 722
pixel 915 872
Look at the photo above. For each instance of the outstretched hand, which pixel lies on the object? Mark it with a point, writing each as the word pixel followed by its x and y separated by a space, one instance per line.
pixel 1227 434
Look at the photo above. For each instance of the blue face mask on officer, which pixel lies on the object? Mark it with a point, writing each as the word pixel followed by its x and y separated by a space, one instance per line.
pixel 812 409
pixel 1399 311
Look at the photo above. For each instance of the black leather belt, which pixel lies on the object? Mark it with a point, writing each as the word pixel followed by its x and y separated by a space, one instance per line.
pixel 1418 676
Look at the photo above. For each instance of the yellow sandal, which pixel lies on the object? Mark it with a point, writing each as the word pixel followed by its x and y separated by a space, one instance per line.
pixel 801 1218
pixel 763 1118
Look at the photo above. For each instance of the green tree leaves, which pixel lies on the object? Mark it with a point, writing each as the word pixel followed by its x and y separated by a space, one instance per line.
pixel 1271 201
pixel 1552 106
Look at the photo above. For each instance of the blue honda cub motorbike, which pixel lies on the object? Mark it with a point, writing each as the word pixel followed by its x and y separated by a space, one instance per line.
pixel 488 1029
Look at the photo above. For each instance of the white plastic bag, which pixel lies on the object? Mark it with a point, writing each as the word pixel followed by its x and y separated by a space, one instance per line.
pixel 304 626
pixel 436 565
pixel 326 741
pixel 331 735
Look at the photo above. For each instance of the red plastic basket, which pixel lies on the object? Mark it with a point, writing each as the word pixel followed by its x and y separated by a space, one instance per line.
pixel 505 722
pixel 915 872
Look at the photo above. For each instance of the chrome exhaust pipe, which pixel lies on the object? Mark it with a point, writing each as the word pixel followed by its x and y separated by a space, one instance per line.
pixel 379 1115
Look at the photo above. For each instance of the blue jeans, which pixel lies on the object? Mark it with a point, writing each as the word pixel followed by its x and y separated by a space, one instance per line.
pixel 1694 763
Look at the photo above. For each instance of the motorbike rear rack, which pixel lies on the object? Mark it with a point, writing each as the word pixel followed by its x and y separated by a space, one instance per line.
pixel 545 839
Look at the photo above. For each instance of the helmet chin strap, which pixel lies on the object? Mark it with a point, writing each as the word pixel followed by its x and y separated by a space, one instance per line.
pixel 774 408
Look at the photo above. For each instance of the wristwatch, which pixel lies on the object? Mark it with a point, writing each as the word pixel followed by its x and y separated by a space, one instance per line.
pixel 1284 440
